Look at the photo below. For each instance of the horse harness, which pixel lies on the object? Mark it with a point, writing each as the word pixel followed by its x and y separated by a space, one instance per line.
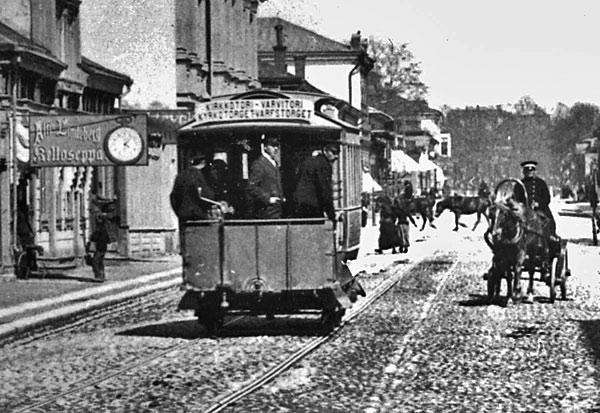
pixel 523 228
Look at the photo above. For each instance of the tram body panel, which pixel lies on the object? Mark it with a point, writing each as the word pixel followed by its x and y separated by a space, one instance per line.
pixel 259 255
pixel 201 262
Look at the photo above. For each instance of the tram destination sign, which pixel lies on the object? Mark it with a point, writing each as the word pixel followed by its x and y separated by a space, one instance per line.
pixel 88 140
pixel 254 109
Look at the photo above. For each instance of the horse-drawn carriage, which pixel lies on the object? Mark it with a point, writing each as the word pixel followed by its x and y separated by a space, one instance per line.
pixel 522 239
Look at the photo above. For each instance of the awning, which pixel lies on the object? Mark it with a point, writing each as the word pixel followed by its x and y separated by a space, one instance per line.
pixel 369 184
pixel 427 165
pixel 401 162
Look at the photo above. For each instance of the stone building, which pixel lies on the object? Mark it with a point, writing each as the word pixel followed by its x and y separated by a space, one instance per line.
pixel 208 49
pixel 216 49
pixel 42 72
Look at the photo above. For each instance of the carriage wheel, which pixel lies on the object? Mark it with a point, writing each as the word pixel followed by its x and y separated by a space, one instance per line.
pixel 554 271
pixel 491 285
pixel 563 262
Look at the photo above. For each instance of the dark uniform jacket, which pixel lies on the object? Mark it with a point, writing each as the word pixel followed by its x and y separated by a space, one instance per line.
pixel 185 199
pixel 537 190
pixel 265 182
pixel 314 193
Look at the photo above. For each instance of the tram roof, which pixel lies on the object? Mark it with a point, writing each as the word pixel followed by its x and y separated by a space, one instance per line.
pixel 267 109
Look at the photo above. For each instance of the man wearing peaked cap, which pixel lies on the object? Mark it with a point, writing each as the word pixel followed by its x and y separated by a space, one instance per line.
pixel 264 183
pixel 538 194
pixel 529 165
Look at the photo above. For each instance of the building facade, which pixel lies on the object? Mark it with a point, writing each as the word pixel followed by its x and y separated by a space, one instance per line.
pixel 42 72
pixel 216 44
pixel 202 48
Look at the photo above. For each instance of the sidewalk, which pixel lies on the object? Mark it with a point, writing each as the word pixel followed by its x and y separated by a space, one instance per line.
pixel 62 292
pixel 574 209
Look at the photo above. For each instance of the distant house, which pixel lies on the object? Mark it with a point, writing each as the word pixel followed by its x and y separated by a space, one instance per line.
pixel 421 137
pixel 292 57
pixel 331 66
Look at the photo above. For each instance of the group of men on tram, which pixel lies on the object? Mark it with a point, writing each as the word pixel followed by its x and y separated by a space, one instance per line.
pixel 205 187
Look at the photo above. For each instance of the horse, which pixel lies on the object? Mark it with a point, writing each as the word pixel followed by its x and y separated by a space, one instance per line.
pixel 464 205
pixel 519 240
pixel 422 205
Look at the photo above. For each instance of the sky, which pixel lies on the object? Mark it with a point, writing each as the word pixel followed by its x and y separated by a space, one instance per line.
pixel 475 52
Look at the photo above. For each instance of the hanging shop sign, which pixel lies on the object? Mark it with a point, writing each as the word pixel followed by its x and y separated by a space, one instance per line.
pixel 254 109
pixel 88 140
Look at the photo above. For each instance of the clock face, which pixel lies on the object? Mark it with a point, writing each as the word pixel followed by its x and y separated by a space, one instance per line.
pixel 124 145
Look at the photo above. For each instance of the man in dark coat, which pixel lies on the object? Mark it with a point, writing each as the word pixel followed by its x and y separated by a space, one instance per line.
pixel 102 210
pixel 538 194
pixel 191 184
pixel 264 183
pixel 407 192
pixel 314 192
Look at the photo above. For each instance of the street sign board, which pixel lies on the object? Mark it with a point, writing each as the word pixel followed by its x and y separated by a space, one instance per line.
pixel 254 109
pixel 88 140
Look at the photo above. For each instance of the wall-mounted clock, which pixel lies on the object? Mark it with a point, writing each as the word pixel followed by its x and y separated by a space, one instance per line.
pixel 124 146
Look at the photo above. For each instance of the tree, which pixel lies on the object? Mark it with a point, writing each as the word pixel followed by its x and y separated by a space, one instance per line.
pixel 395 77
pixel 527 106
pixel 579 122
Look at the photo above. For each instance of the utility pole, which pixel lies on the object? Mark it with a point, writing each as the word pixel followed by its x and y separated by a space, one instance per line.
pixel 12 145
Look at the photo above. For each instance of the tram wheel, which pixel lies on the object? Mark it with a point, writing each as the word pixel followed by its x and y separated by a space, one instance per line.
pixel 210 321
pixel 330 319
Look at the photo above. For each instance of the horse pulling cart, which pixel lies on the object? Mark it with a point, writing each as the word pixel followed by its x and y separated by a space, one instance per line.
pixel 521 240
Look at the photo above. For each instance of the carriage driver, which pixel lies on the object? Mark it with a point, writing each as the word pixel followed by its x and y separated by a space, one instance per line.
pixel 538 194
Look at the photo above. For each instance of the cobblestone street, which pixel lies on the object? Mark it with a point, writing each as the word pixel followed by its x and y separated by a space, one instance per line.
pixel 430 344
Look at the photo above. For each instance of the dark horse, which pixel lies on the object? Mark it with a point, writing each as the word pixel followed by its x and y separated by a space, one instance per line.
pixel 422 205
pixel 519 240
pixel 465 205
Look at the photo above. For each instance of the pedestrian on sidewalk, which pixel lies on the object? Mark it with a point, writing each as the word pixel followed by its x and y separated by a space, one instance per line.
pixel 102 211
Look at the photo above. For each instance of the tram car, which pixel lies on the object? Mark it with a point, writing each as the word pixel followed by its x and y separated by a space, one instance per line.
pixel 237 264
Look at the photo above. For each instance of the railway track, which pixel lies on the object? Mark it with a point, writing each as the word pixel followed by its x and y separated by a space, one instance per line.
pixel 317 342
pixel 80 319
pixel 256 384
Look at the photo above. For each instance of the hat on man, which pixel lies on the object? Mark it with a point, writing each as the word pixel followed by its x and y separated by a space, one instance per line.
pixel 333 148
pixel 271 141
pixel 196 159
pixel 530 165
